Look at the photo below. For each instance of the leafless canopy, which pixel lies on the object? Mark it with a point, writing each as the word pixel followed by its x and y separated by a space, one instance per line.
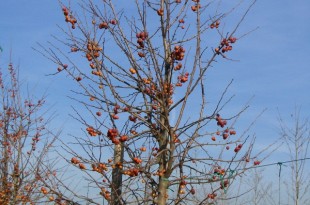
pixel 151 137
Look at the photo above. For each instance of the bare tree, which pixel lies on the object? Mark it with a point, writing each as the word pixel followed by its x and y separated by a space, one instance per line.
pixel 256 189
pixel 25 141
pixel 296 136
pixel 141 67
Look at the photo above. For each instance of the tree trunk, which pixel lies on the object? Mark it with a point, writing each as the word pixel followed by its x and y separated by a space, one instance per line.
pixel 162 191
pixel 117 175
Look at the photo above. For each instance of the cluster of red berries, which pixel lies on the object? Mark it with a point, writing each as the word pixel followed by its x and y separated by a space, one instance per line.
pixel 100 168
pixel 103 25
pixel 168 89
pixel 225 45
pixel 225 133
pixel 181 21
pixel 219 171
pixel 175 138
pixel 196 7
pixel 228 132
pixel 112 134
pixel 132 172
pixel 123 138
pixel 60 68
pixel 69 18
pixel 93 50
pixel 96 72
pixel 215 25
pixel 92 132
pixel 150 86
pixel 74 160
pixel 220 121
pixel 238 148
pixel 141 38
pixel 132 118
pixel 182 186
pixel 160 12
pixel 178 53
pixel 159 173
pixel 141 54
pixel 115 112
pixel 44 190
pixel 106 194
pixel 77 162
pixel 137 160
pixel 182 79
pixel 155 151
pixel 34 142
pixel 224 184
pixel 256 162
pixel 212 196
pixel 178 66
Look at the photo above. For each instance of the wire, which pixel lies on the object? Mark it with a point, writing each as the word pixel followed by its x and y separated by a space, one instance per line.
pixel 255 167
pixel 277 163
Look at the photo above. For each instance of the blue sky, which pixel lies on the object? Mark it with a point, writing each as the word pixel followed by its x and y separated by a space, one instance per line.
pixel 274 63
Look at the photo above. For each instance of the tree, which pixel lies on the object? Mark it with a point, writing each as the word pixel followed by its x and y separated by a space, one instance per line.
pixel 258 189
pixel 25 142
pixel 296 136
pixel 152 137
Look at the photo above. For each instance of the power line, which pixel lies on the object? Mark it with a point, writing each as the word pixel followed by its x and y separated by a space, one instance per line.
pixel 232 171
pixel 280 163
